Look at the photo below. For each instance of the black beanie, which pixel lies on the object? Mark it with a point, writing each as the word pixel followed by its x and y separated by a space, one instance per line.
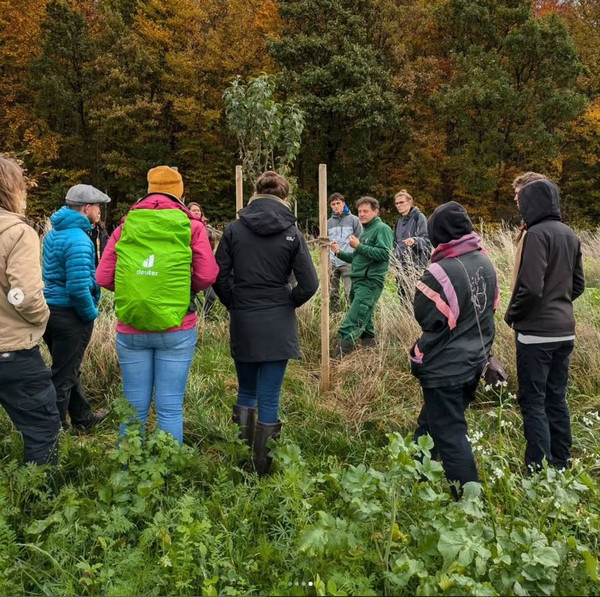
pixel 448 222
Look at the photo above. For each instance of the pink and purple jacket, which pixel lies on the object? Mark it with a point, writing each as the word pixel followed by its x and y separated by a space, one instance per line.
pixel 204 266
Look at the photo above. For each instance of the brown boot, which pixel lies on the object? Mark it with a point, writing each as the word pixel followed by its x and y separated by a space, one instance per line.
pixel 245 418
pixel 264 432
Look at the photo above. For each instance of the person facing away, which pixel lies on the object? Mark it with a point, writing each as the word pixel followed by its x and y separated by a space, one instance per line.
pixel 340 227
pixel 256 256
pixel 454 305
pixel 26 390
pixel 69 271
pixel 209 294
pixel 370 262
pixel 412 246
pixel 155 262
pixel 549 278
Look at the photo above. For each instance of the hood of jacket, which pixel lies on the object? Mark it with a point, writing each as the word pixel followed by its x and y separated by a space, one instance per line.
pixel 413 213
pixel 448 222
pixel 266 215
pixel 345 212
pixel 8 219
pixel 539 200
pixel 162 201
pixel 66 218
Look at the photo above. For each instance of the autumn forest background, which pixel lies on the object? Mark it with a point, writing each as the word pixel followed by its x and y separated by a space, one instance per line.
pixel 447 98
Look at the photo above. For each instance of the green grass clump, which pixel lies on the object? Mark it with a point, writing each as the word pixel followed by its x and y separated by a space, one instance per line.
pixel 354 507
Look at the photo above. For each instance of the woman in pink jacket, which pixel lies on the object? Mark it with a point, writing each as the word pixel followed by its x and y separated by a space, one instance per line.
pixel 159 361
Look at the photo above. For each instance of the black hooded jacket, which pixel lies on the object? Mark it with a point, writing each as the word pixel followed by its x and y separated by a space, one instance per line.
pixel 454 303
pixel 256 256
pixel 550 275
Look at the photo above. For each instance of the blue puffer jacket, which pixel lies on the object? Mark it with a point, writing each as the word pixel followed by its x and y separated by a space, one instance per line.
pixel 69 268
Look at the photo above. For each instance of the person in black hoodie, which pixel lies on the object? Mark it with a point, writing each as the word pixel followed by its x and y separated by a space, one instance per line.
pixel 256 256
pixel 549 279
pixel 454 304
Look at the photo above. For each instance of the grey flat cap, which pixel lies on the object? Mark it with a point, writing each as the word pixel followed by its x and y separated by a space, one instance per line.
pixel 82 194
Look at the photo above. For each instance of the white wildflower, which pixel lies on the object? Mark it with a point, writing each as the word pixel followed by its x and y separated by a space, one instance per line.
pixel 498 473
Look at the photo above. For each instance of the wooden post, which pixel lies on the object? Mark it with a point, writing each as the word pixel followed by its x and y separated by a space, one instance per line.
pixel 324 261
pixel 239 190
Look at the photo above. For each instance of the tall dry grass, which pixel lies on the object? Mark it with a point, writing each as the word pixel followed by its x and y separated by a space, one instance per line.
pixel 376 384
pixel 370 384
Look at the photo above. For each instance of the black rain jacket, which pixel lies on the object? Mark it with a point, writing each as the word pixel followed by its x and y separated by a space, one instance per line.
pixel 550 275
pixel 256 256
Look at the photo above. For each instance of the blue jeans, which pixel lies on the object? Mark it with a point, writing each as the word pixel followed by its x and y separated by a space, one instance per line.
pixel 261 383
pixel 160 362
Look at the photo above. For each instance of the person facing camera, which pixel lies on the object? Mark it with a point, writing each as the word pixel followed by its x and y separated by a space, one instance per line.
pixel 26 390
pixel 155 262
pixel 256 256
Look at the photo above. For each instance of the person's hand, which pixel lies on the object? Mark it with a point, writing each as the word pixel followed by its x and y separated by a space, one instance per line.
pixel 409 242
pixel 335 248
pixel 353 241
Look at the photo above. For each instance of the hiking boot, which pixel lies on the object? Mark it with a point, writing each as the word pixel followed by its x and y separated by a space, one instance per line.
pixel 264 432
pixel 245 418
pixel 368 342
pixel 342 348
pixel 94 420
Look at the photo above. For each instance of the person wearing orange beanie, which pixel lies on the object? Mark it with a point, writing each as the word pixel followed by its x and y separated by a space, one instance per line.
pixel 167 180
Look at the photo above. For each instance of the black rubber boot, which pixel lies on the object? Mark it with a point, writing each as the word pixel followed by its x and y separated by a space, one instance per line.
pixel 245 418
pixel 264 432
pixel 368 342
pixel 342 348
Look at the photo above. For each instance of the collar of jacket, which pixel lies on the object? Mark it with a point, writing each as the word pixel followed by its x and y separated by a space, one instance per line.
pixel 368 224
pixel 273 197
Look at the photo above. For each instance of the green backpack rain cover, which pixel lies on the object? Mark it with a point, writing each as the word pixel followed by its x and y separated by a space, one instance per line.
pixel 153 273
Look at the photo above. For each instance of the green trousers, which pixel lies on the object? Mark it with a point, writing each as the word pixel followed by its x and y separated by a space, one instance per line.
pixel 358 322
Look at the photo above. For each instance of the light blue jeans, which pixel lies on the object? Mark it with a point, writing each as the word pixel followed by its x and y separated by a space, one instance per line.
pixel 158 362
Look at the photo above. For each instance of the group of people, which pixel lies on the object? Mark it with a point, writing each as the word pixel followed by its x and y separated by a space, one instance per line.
pixel 160 257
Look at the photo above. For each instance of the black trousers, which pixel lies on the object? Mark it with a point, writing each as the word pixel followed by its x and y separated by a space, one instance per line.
pixel 27 395
pixel 543 372
pixel 67 338
pixel 443 417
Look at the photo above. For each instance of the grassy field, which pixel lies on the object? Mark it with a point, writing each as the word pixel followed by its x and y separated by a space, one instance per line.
pixel 344 513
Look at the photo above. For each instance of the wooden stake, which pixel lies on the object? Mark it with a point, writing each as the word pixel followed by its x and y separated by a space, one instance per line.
pixel 239 190
pixel 324 261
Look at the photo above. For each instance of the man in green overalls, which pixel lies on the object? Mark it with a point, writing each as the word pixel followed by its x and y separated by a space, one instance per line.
pixel 370 262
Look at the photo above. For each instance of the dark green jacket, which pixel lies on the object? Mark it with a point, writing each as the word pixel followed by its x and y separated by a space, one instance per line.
pixel 371 259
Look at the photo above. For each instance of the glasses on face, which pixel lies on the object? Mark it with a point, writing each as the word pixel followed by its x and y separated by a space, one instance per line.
pixel 400 202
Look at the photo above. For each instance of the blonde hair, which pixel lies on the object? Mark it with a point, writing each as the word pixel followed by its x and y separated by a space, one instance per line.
pixel 271 183
pixel 12 185
pixel 403 193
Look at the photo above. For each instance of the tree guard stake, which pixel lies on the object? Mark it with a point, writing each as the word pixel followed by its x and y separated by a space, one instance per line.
pixel 324 261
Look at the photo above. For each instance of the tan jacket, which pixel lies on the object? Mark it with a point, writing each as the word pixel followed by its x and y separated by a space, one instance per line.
pixel 23 310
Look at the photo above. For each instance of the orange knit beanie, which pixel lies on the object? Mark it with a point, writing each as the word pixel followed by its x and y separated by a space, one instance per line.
pixel 164 179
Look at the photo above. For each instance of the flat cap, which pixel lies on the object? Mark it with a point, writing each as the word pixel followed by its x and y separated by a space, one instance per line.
pixel 82 194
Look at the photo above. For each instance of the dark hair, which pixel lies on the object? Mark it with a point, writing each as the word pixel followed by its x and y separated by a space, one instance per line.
pixel 370 200
pixel 337 197
pixel 192 204
pixel 271 183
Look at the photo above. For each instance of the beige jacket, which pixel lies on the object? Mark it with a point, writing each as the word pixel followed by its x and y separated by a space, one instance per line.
pixel 23 310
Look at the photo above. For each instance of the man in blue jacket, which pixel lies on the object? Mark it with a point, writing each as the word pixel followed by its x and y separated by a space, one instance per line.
pixel 340 227
pixel 72 294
